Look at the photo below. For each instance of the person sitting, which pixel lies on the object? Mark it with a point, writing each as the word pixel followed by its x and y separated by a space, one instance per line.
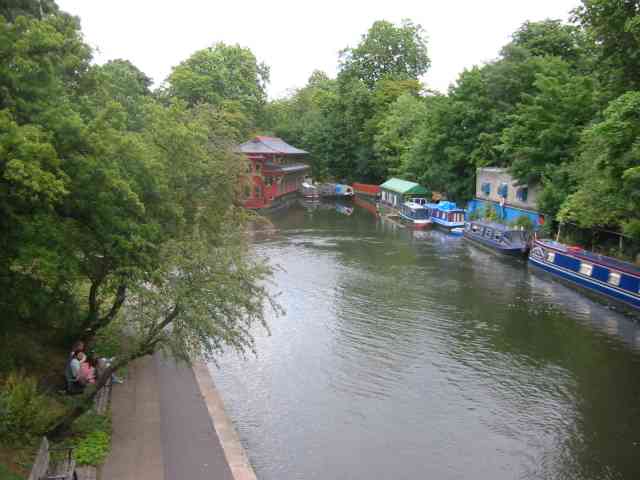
pixel 87 372
pixel 75 385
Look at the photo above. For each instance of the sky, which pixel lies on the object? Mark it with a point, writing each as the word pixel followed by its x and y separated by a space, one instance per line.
pixel 296 37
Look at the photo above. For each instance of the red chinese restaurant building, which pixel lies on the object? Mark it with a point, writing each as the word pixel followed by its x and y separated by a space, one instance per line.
pixel 275 171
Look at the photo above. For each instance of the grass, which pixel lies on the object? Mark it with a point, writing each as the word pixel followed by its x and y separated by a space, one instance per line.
pixel 6 474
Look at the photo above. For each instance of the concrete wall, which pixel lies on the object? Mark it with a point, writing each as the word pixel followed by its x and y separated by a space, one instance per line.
pixel 497 176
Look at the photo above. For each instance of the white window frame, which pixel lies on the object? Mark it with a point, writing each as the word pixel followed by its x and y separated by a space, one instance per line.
pixel 551 257
pixel 586 268
pixel 614 279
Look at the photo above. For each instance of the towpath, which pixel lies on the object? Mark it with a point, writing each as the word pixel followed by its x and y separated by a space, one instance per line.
pixel 162 428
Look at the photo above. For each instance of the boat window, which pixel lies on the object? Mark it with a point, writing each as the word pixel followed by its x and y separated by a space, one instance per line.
pixel 488 233
pixel 586 269
pixel 475 227
pixel 498 236
pixel 614 278
pixel 551 257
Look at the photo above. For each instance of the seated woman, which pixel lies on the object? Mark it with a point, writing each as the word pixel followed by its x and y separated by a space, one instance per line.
pixel 87 372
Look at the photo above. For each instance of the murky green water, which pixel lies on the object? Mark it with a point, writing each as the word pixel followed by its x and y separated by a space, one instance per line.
pixel 406 356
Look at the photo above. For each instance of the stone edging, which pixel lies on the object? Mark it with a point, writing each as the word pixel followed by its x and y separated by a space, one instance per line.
pixel 236 457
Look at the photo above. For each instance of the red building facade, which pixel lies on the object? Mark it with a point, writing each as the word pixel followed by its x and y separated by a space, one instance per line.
pixel 276 170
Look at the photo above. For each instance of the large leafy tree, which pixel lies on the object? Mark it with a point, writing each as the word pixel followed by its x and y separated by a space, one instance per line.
pixel 225 76
pixel 387 51
pixel 614 26
pixel 608 171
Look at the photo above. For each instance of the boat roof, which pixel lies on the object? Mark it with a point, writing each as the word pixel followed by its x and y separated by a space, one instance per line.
pixel 446 206
pixel 413 205
pixel 496 226
pixel 593 257
pixel 404 187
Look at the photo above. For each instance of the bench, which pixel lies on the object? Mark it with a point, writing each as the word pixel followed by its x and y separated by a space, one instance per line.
pixel 45 469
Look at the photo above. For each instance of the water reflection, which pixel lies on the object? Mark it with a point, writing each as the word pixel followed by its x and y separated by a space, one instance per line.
pixel 409 354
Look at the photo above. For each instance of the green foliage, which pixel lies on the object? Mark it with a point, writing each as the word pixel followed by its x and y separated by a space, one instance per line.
pixel 614 27
pixel 93 449
pixel 608 194
pixel 387 51
pixel 6 474
pixel 92 438
pixel 490 213
pixel 225 76
pixel 523 222
pixel 25 413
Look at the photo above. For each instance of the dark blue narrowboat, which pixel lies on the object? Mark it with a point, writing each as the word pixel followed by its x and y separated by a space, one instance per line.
pixel 611 278
pixel 446 215
pixel 501 238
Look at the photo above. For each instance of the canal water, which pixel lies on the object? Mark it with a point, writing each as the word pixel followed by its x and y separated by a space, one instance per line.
pixel 415 355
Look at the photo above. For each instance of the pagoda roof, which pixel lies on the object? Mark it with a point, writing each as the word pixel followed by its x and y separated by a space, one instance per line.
pixel 269 145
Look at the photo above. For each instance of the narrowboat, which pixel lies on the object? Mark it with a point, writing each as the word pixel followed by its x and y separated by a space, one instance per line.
pixel 501 238
pixel 415 214
pixel 611 278
pixel 446 215
pixel 309 191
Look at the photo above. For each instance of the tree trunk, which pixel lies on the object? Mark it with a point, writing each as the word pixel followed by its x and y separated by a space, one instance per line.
pixel 94 322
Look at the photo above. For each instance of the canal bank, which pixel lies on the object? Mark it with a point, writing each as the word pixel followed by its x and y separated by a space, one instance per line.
pixel 170 424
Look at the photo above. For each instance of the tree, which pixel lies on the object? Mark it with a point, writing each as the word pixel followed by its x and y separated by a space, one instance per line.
pixel 614 26
pixel 387 51
pixel 609 171
pixel 225 76
pixel 545 128
pixel 206 297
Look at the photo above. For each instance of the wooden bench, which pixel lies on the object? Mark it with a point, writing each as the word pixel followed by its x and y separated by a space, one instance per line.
pixel 45 469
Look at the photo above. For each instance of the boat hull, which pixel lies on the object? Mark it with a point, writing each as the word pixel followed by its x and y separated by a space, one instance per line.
pixel 511 251
pixel 602 289
pixel 415 223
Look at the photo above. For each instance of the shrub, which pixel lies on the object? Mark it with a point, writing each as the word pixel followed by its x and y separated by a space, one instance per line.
pixel 93 449
pixel 24 412
pixel 524 222
pixel 92 438
pixel 490 213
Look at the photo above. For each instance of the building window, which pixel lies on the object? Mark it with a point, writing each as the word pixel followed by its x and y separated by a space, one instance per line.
pixel 503 190
pixel 258 191
pixel 258 166
pixel 551 257
pixel 268 181
pixel 522 194
pixel 614 278
pixel 586 269
pixel 486 188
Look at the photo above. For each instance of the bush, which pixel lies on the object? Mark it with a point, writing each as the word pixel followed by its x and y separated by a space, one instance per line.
pixel 523 222
pixel 490 213
pixel 25 413
pixel 92 438
pixel 93 449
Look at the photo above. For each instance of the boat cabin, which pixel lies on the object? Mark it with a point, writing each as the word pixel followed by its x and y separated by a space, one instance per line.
pixel 446 214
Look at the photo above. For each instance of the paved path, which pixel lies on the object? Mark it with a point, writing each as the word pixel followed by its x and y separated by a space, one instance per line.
pixel 162 429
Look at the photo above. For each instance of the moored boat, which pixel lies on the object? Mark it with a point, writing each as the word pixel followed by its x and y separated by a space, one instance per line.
pixel 415 214
pixel 614 279
pixel 309 191
pixel 501 238
pixel 446 215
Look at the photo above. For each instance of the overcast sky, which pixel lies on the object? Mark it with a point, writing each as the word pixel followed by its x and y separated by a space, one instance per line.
pixel 296 37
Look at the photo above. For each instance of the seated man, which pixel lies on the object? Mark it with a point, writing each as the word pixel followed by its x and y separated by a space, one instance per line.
pixel 72 375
